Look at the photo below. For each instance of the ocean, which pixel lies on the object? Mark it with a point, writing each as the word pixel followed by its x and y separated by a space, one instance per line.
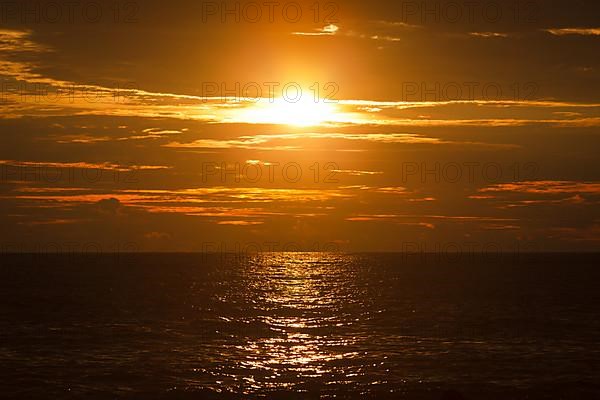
pixel 299 325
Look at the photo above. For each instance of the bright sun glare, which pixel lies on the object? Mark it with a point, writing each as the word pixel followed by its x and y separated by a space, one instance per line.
pixel 305 112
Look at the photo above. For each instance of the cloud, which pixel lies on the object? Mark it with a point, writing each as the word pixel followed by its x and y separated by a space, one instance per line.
pixel 580 234
pixel 380 30
pixel 427 225
pixel 574 31
pixel 158 132
pixel 68 98
pixel 385 38
pixel 546 187
pixel 258 141
pixel 53 221
pixel 15 41
pixel 392 190
pixel 401 217
pixel 354 172
pixel 81 165
pixel 538 193
pixel 500 227
pixel 328 30
pixel 240 223
pixel 209 201
pixel 82 139
pixel 395 24
pixel 489 34
pixel 110 206
pixel 374 30
pixel 576 199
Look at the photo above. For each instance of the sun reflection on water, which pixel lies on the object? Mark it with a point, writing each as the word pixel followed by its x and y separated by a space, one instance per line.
pixel 299 300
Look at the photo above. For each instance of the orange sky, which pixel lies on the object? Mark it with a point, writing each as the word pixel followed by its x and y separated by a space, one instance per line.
pixel 356 127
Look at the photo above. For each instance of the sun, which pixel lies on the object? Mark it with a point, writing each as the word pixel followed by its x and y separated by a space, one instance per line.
pixel 305 112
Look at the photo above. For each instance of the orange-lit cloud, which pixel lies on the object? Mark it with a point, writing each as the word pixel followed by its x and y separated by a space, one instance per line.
pixel 82 165
pixel 546 187
pixel 258 141
pixel 574 31
pixel 328 30
pixel 22 97
pixel 489 34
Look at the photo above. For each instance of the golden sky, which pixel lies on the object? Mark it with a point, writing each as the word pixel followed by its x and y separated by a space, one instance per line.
pixel 352 126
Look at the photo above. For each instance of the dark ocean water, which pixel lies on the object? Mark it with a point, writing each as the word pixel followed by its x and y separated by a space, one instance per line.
pixel 299 325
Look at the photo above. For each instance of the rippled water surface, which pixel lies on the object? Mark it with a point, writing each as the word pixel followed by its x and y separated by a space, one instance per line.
pixel 299 325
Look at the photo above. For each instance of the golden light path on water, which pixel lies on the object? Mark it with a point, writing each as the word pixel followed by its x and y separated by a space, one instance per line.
pixel 296 287
pixel 301 322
